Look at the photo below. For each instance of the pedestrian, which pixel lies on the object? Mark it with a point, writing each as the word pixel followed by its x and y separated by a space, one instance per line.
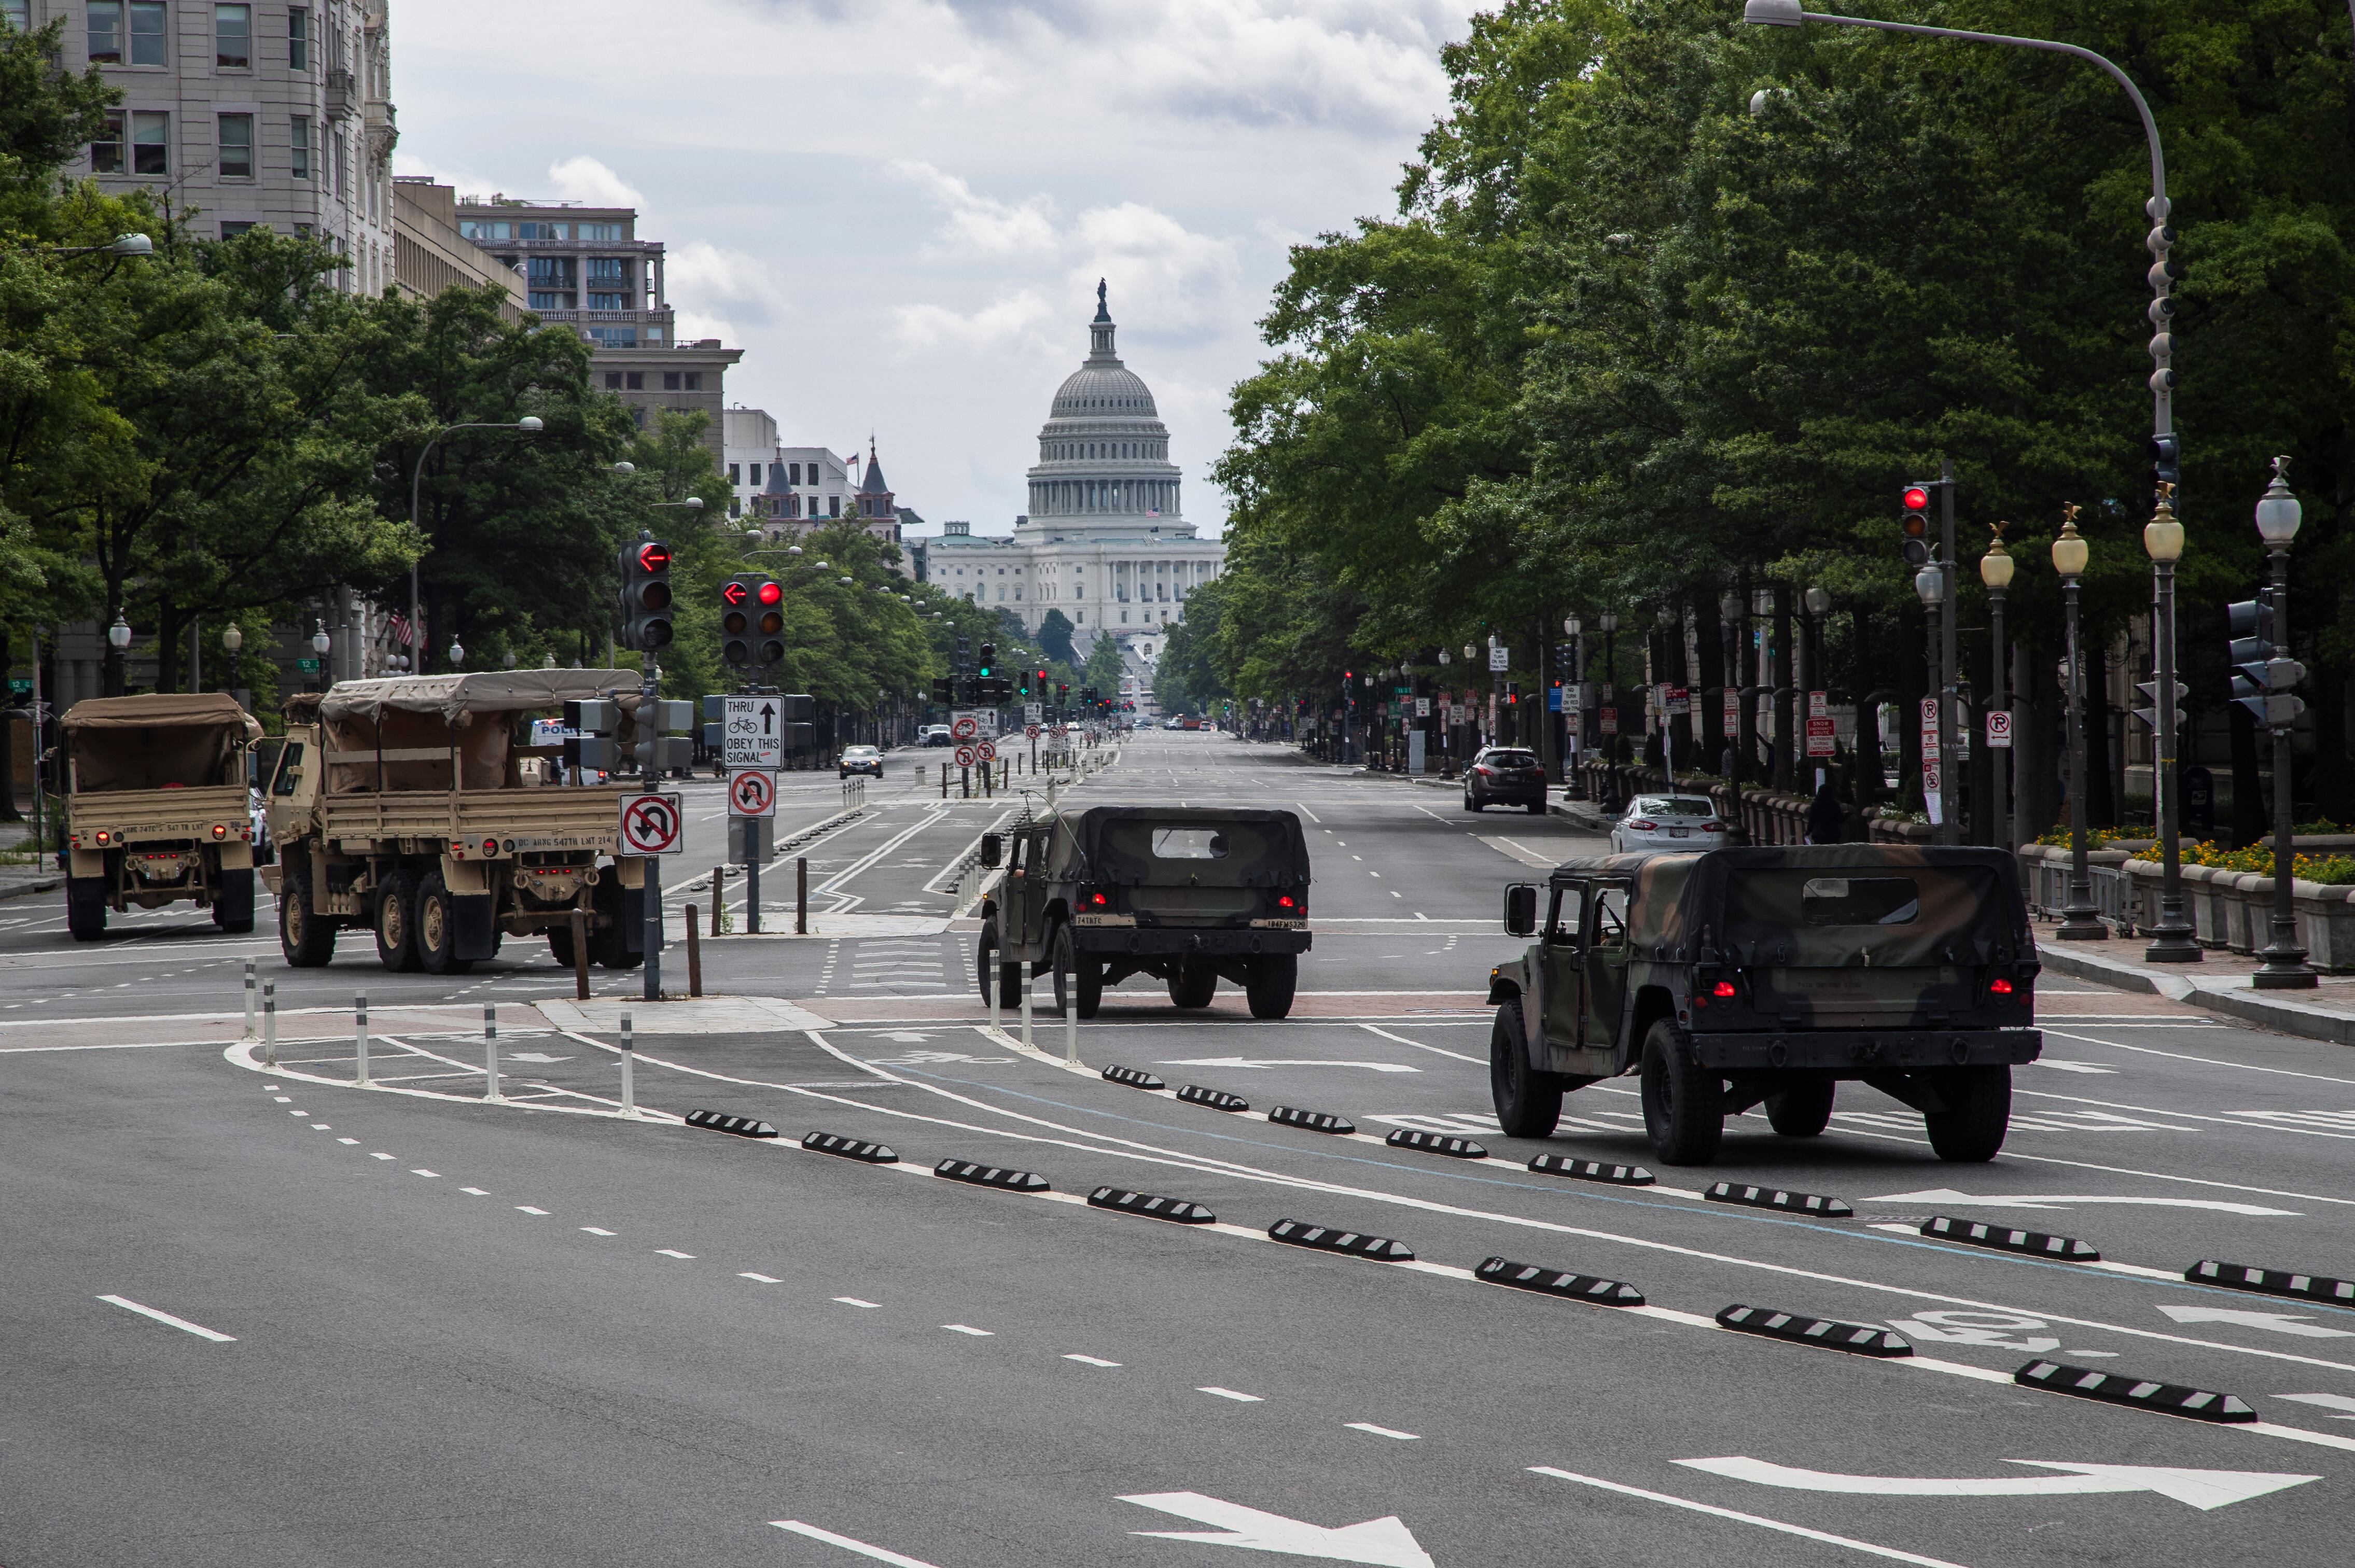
pixel 1826 818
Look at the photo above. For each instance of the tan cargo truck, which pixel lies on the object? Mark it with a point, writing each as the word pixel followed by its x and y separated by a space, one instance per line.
pixel 157 809
pixel 418 808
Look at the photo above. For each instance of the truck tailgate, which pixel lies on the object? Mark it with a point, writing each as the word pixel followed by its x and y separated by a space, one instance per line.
pixel 129 816
pixel 549 817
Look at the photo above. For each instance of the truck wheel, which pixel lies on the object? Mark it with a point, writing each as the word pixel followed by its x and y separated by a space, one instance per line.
pixel 1079 976
pixel 560 944
pixel 437 929
pixel 86 907
pixel 1803 1108
pixel 308 942
pixel 1193 984
pixel 1978 1114
pixel 396 922
pixel 233 902
pixel 1528 1102
pixel 1272 979
pixel 1684 1103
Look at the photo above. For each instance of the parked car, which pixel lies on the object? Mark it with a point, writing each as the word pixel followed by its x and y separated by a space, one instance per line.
pixel 1505 775
pixel 935 735
pixel 861 760
pixel 1670 822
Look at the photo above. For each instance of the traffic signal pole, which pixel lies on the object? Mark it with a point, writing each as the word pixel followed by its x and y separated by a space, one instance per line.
pixel 1949 830
pixel 654 924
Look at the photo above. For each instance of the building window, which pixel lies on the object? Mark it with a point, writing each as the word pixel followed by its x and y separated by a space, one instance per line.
pixel 151 141
pixel 733 471
pixel 298 39
pixel 149 24
pixel 539 231
pixel 694 380
pixel 231 231
pixel 233 37
pixel 613 337
pixel 637 381
pixel 106 32
pixel 342 186
pixel 735 507
pixel 476 229
pixel 670 380
pixel 235 146
pixel 106 153
pixel 601 233
pixel 794 472
pixel 541 300
pixel 834 506
pixel 609 302
pixel 753 473
pixel 612 380
pixel 298 137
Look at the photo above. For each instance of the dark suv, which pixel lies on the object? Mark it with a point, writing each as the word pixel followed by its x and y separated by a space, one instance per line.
pixel 1505 775
pixel 1190 896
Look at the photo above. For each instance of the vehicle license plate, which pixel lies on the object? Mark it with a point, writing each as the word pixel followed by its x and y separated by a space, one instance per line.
pixel 1680 832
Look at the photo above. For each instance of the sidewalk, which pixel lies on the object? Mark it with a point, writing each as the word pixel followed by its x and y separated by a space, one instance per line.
pixel 43 877
pixel 2219 983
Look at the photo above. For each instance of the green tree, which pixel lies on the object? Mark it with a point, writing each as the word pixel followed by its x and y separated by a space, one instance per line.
pixel 1054 638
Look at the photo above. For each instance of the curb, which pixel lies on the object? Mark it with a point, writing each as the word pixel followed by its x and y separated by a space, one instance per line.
pixel 20 889
pixel 2281 1016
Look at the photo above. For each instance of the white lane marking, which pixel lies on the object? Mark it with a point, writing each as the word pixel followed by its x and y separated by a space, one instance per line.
pixel 2202 1489
pixel 475 1191
pixel 1088 1360
pixel 199 1329
pixel 1384 1542
pixel 527 1209
pixel 283 1099
pixel 2274 1322
pixel 854 1301
pixel 2058 1065
pixel 2058 1200
pixel 2202 1060
pixel 1418 1045
pixel 847 1544
pixel 1890 1553
pixel 1285 1061
pixel 421 1172
pixel 2332 1402
pixel 674 1253
pixel 969 1329
pixel 1383 1431
pixel 594 1231
pixel 321 1127
pixel 375 1155
pixel 1230 1393
pixel 759 1279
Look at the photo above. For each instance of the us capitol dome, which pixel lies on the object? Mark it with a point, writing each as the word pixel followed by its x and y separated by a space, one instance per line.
pixel 1104 540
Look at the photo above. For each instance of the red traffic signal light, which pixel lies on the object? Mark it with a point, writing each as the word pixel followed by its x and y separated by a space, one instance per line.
pixel 1915 524
pixel 653 557
pixel 771 593
pixel 1917 498
pixel 733 592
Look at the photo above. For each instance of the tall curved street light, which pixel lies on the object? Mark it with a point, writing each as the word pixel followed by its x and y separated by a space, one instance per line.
pixel 530 425
pixel 2081 921
pixel 2284 966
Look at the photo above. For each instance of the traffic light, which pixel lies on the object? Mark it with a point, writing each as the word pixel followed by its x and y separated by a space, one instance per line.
pixel 988 666
pixel 799 722
pixel 944 691
pixel 751 621
pixel 645 595
pixel 2260 683
pixel 1916 524
pixel 1038 686
pixel 2149 689
pixel 2167 458
pixel 768 623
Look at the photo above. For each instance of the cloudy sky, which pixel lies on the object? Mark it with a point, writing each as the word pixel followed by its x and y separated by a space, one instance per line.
pixel 899 208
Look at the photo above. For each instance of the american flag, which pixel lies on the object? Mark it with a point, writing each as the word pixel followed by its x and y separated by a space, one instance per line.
pixel 397 629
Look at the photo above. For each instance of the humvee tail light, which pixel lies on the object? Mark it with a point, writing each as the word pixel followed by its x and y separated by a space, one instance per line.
pixel 220 829
pixel 1285 900
pixel 104 836
pixel 1095 898
pixel 1725 988
pixel 2000 987
pixel 490 846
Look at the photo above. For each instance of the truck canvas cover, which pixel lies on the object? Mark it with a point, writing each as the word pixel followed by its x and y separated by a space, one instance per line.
pixel 1141 846
pixel 160 741
pixel 1825 906
pixel 418 724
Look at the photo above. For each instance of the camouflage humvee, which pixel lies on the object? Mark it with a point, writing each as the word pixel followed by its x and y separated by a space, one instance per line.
pixel 1732 976
pixel 1189 895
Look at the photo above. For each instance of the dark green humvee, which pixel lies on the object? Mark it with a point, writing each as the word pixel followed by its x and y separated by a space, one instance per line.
pixel 1728 977
pixel 1190 895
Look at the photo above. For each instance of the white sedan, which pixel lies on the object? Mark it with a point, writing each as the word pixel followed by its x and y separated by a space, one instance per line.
pixel 1668 822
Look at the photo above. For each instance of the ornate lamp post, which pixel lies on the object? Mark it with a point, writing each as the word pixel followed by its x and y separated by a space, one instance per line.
pixel 2284 966
pixel 2080 920
pixel 2172 941
pixel 320 643
pixel 1930 587
pixel 1609 622
pixel 1574 627
pixel 1995 572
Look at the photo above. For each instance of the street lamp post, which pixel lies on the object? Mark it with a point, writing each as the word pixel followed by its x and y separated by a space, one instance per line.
pixel 2080 920
pixel 2284 966
pixel 530 425
pixel 1609 622
pixel 2172 940
pixel 1930 586
pixel 1575 689
pixel 320 643
pixel 1994 570
pixel 1729 606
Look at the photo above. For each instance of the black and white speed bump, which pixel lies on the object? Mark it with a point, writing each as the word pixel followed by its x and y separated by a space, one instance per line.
pixel 1315 1121
pixel 1592 1171
pixel 1553 1282
pixel 1775 1198
pixel 2036 1244
pixel 1331 1239
pixel 2273 1281
pixel 1435 1143
pixel 1133 1078
pixel 1216 1099
pixel 1856 1339
pixel 992 1176
pixel 1152 1207
pixel 2116 1388
pixel 719 1121
pixel 849 1148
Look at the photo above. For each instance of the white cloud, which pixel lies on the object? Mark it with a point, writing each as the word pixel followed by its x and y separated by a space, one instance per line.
pixel 584 179
pixel 981 225
pixel 1180 282
pixel 1010 321
pixel 700 276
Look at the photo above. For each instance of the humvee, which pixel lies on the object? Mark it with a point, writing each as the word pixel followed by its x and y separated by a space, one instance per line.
pixel 1729 977
pixel 1190 895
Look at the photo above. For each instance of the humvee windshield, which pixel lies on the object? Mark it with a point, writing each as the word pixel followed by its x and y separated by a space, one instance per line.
pixel 1830 919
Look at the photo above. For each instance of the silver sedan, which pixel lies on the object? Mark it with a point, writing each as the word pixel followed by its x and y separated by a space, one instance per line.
pixel 1670 822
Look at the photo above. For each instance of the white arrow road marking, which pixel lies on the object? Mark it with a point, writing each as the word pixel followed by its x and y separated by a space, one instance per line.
pixel 1287 1061
pixel 2278 1322
pixel 2202 1488
pixel 2061 1201
pixel 2334 1402
pixel 1384 1541
pixel 1801 1530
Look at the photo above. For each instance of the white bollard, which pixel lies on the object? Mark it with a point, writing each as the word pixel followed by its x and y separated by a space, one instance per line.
pixel 629 1086
pixel 1026 1003
pixel 1071 1019
pixel 990 972
pixel 270 1023
pixel 491 1053
pixel 359 1005
pixel 250 989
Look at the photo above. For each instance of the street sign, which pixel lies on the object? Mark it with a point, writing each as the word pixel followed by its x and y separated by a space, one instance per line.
pixel 1819 737
pixel 1033 713
pixel 1499 656
pixel 985 750
pixel 1732 710
pixel 1679 699
pixel 308 667
pixel 751 791
pixel 752 733
pixel 1030 731
pixel 1999 728
pixel 966 756
pixel 1423 708
pixel 1611 720
pixel 1060 731
pixel 964 726
pixel 651 824
pixel 1820 705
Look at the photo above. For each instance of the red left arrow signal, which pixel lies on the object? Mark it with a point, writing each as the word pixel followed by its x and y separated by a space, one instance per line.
pixel 734 594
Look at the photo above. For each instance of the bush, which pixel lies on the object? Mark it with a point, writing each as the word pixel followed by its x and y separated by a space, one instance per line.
pixel 2096 837
pixel 2330 870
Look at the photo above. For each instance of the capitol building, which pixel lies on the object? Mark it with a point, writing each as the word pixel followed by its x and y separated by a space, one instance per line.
pixel 1106 540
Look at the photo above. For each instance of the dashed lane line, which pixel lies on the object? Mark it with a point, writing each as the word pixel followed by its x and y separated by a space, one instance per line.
pixel 199 1329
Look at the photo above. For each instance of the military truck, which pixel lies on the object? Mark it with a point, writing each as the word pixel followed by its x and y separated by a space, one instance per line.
pixel 158 808
pixel 1731 978
pixel 417 807
pixel 1190 896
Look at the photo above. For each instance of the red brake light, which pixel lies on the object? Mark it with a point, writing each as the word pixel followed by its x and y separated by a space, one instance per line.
pixel 1283 901
pixel 1723 988
pixel 1712 827
pixel 2000 987
pixel 490 846
pixel 1641 826
pixel 220 829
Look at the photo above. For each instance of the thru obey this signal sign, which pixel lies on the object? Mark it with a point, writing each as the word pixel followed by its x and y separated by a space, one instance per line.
pixel 751 791
pixel 651 824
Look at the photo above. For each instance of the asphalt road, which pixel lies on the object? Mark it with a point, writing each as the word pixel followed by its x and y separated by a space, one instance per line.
pixel 401 1325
